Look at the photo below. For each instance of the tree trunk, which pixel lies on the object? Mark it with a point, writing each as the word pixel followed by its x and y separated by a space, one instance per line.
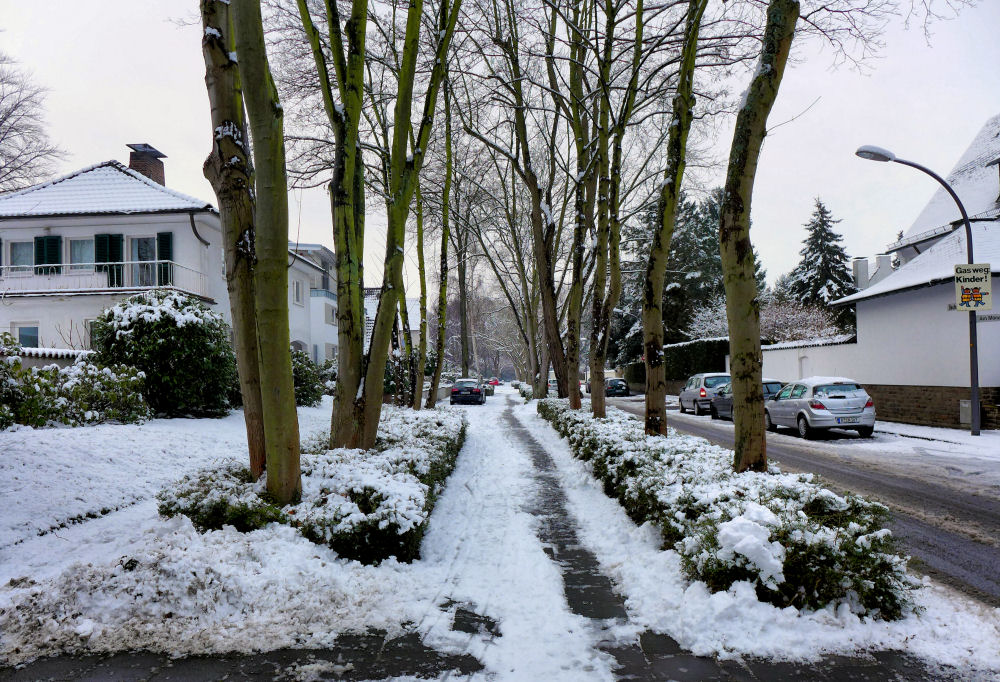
pixel 742 295
pixel 462 253
pixel 230 173
pixel 652 303
pixel 281 426
pixel 442 311
pixel 421 360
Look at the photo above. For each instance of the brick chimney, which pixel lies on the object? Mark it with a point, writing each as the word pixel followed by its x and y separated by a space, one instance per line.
pixel 146 160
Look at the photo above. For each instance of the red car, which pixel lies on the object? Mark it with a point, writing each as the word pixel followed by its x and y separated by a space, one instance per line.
pixel 494 382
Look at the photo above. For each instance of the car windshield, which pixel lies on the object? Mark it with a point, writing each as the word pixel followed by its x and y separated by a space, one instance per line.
pixel 712 382
pixel 466 383
pixel 772 387
pixel 616 382
pixel 845 390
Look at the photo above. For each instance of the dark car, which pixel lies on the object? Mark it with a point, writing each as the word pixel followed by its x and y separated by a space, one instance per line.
pixel 722 402
pixel 697 394
pixel 467 390
pixel 616 387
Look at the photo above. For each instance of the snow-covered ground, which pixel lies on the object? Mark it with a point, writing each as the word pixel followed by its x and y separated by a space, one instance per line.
pixel 128 579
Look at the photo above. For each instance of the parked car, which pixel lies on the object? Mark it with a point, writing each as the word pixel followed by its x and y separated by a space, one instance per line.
pixel 722 403
pixel 699 390
pixel 468 390
pixel 494 381
pixel 489 389
pixel 615 387
pixel 815 403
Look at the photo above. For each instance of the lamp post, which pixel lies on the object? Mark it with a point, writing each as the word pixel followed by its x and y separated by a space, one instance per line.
pixel 873 153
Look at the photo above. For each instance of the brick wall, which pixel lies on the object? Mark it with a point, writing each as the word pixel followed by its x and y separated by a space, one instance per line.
pixel 932 405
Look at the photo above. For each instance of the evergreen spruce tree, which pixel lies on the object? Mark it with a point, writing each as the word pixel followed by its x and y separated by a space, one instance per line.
pixel 822 274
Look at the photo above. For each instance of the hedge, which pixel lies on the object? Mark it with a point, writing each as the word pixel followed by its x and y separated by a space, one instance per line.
pixel 692 357
pixel 797 543
pixel 368 505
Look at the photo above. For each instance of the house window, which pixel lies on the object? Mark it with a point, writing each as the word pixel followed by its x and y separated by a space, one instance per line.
pixel 142 253
pixel 297 291
pixel 22 256
pixel 331 315
pixel 331 351
pixel 26 334
pixel 81 254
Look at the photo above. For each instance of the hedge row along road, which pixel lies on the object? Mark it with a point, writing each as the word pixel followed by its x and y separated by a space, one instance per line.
pixel 951 531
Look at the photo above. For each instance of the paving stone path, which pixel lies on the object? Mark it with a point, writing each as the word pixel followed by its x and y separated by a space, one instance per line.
pixel 655 656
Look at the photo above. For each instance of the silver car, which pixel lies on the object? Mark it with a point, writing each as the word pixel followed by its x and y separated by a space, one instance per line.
pixel 699 391
pixel 815 403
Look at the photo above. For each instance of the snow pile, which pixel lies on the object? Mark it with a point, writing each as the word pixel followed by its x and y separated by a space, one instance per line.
pixel 796 543
pixel 366 505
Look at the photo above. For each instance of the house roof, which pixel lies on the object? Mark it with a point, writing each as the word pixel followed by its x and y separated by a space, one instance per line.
pixel 937 263
pixel 975 180
pixel 104 188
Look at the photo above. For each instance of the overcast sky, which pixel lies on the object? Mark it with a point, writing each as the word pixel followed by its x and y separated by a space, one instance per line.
pixel 123 71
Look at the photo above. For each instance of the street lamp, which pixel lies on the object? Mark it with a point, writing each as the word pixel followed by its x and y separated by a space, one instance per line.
pixel 873 153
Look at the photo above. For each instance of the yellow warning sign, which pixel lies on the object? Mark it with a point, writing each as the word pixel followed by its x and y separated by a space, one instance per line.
pixel 973 290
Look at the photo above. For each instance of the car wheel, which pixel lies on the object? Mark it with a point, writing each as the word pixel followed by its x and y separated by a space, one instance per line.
pixel 697 409
pixel 805 430
pixel 866 431
pixel 452 402
pixel 714 412
pixel 768 424
pixel 681 404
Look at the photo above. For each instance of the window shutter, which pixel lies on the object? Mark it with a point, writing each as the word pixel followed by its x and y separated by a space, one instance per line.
pixel 108 248
pixel 53 253
pixel 164 252
pixel 39 254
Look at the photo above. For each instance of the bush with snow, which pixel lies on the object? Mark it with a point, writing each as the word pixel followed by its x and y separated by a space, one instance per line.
pixel 366 505
pixel 83 393
pixel 797 543
pixel 526 391
pixel 307 378
pixel 182 347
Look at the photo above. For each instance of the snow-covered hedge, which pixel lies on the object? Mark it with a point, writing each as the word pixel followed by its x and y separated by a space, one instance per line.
pixel 83 393
pixel 366 505
pixel 180 344
pixel 307 378
pixel 796 542
pixel 526 391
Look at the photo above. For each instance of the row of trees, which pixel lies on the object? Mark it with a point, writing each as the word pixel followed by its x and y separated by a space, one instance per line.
pixel 562 122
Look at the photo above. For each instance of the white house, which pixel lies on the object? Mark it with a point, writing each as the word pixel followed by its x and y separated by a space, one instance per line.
pixel 73 246
pixel 912 347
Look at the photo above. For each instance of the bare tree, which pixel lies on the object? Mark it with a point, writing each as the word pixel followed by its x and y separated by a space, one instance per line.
pixel 26 153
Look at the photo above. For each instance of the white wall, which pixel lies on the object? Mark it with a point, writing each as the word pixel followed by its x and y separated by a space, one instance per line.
pixel 910 338
pixel 321 332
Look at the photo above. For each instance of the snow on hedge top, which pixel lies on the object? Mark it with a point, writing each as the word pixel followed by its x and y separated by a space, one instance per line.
pixel 153 306
pixel 937 264
pixel 107 187
pixel 973 181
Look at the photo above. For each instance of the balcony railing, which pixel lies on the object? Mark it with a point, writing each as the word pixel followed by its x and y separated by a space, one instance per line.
pixel 88 277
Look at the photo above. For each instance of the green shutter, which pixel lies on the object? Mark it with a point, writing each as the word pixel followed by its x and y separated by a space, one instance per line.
pixel 164 252
pixel 108 248
pixel 48 251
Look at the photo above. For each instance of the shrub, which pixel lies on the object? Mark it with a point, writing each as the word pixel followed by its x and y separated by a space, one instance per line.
pixel 526 391
pixel 82 393
pixel 799 544
pixel 308 379
pixel 328 376
pixel 366 505
pixel 178 343
pixel 681 360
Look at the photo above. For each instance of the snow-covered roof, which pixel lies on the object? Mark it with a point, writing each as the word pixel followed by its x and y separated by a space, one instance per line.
pixel 104 188
pixel 837 340
pixel 937 263
pixel 975 182
pixel 57 353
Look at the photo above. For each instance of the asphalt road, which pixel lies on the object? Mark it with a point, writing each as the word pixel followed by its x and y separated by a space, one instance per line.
pixel 951 535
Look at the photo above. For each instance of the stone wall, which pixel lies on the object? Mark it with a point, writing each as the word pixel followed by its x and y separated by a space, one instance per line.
pixel 932 405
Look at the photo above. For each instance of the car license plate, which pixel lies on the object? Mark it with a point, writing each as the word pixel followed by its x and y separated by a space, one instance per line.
pixel 465 390
pixel 848 420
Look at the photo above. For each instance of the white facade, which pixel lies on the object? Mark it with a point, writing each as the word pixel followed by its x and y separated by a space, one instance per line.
pixel 911 338
pixel 158 237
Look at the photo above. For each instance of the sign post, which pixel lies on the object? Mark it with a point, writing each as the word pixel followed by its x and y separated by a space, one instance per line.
pixel 973 290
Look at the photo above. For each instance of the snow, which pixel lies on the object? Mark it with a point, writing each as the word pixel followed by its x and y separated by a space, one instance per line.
pixel 127 579
pixel 951 629
pixel 53 353
pixel 107 187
